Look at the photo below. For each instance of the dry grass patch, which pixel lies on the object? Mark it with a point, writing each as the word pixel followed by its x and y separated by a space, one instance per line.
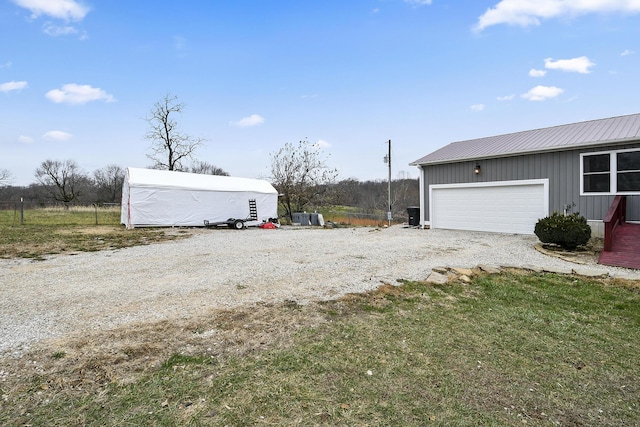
pixel 62 231
pixel 40 240
pixel 87 362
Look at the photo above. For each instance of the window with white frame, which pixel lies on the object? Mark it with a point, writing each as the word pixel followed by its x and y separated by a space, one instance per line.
pixel 611 172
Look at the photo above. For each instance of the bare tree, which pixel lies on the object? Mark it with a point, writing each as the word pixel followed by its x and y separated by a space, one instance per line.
pixel 169 147
pixel 5 177
pixel 206 168
pixel 63 180
pixel 301 176
pixel 371 197
pixel 405 192
pixel 108 181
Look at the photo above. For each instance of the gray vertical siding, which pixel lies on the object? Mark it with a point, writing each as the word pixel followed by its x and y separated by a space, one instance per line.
pixel 562 168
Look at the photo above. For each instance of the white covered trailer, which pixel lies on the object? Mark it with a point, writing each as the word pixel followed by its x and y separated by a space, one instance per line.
pixel 157 198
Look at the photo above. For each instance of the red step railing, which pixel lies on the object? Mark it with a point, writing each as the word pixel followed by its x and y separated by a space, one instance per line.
pixel 614 218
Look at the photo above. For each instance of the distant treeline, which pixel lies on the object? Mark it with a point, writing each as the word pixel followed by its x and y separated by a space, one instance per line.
pixel 372 197
pixel 368 197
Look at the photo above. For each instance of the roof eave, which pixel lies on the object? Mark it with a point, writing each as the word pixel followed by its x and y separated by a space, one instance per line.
pixel 528 152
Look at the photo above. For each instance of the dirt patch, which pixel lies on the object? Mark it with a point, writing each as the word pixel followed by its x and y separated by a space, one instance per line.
pixel 90 231
pixel 78 363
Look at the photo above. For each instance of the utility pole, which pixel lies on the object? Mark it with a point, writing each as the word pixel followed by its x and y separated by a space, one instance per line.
pixel 387 159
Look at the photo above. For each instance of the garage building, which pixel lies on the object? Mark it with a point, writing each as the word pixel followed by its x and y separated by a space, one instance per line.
pixel 506 183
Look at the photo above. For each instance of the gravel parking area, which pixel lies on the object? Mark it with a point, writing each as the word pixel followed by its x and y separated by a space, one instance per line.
pixel 226 268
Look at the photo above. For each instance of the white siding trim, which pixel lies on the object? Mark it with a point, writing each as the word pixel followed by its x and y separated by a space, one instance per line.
pixel 613 173
pixel 421 181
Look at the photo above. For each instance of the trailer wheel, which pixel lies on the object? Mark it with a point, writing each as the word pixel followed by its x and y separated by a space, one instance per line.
pixel 238 225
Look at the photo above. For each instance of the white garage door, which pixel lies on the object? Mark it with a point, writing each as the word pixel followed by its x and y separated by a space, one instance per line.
pixel 503 207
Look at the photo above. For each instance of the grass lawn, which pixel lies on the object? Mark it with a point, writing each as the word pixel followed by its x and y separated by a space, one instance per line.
pixel 507 349
pixel 56 230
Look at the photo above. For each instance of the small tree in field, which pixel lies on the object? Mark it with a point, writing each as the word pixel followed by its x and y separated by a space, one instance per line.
pixel 301 176
pixel 169 147
pixel 108 181
pixel 5 177
pixel 63 180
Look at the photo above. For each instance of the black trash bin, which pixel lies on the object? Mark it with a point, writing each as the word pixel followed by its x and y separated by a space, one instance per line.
pixel 414 215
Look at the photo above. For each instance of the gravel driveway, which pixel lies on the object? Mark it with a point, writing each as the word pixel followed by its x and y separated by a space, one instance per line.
pixel 225 268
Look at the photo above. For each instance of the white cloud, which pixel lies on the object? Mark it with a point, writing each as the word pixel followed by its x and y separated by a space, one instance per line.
pixel 477 107
pixel 58 30
pixel 252 120
pixel 574 65
pixel 537 73
pixel 9 86
pixel 541 93
pixel 627 52
pixel 78 94
pixel 25 139
pixel 57 135
pixel 7 64
pixel 529 12
pixel 418 2
pixel 506 98
pixel 68 10
pixel 322 144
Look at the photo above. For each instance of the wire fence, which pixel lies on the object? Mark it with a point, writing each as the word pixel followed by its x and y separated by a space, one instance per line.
pixel 45 213
pixel 50 213
pixel 361 219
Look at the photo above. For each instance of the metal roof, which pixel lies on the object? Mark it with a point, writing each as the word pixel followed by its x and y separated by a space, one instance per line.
pixel 594 132
pixel 154 178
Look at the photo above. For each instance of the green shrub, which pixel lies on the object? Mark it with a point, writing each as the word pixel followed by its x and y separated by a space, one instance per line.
pixel 568 231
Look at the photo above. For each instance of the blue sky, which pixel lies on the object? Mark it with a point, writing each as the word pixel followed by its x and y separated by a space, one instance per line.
pixel 78 77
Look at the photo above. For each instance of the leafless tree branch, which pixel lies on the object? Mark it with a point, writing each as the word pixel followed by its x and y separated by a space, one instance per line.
pixel 63 180
pixel 169 147
pixel 300 175
pixel 5 177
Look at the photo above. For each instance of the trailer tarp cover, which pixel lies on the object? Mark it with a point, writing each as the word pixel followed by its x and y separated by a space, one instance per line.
pixel 167 198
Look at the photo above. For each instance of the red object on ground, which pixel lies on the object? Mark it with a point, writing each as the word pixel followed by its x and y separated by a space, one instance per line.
pixel 268 225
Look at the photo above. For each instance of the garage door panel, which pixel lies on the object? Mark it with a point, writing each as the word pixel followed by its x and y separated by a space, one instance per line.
pixel 496 207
